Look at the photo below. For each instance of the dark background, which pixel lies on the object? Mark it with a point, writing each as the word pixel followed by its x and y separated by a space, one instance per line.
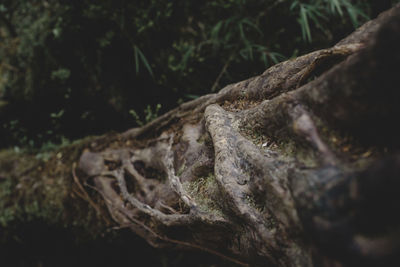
pixel 74 68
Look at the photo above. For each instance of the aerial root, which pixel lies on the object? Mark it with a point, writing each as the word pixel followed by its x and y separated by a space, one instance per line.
pixel 143 184
pixel 262 177
pixel 245 174
pixel 165 219
pixel 82 193
pixel 304 126
pixel 228 170
pixel 325 55
pixel 168 220
pixel 174 180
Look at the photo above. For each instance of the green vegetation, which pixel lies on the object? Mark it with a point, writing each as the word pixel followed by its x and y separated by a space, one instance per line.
pixel 149 115
pixel 204 191
pixel 34 192
pixel 74 68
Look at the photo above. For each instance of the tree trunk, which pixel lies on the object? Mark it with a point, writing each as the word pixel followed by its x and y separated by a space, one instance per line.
pixel 296 167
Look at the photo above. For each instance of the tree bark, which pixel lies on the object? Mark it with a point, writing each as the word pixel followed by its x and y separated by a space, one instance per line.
pixel 296 167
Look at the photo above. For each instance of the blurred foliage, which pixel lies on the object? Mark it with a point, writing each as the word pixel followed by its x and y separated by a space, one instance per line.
pixel 149 113
pixel 73 68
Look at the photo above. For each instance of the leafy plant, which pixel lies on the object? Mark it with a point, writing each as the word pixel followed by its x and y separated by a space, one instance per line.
pixel 92 59
pixel 149 115
pixel 318 11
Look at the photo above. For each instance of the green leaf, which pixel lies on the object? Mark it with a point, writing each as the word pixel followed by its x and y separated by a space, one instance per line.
pixel 241 31
pixel 139 54
pixel 304 23
pixel 264 59
pixel 186 56
pixel 247 52
pixel 335 4
pixel 136 59
pixel 190 96
pixel 215 30
pixel 252 25
pixel 354 12
pixel 294 4
pixel 57 115
pixel 276 57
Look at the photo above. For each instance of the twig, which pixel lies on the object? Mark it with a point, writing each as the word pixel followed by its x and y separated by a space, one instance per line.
pixel 83 194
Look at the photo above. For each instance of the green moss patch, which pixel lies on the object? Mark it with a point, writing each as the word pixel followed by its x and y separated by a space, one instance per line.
pixel 204 191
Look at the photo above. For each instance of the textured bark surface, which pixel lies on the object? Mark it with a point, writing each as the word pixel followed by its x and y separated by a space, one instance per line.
pixel 296 167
